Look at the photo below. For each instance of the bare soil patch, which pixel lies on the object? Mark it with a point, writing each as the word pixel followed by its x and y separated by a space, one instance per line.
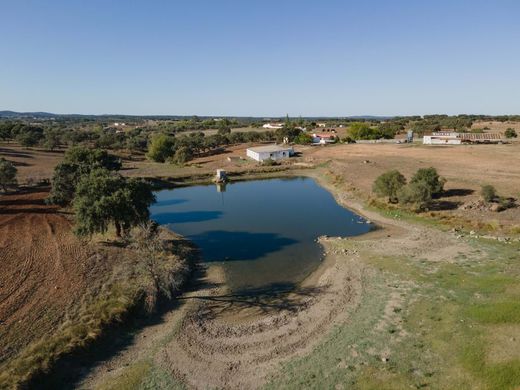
pixel 45 270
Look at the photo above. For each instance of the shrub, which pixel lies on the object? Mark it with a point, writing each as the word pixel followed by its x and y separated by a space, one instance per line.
pixel 488 193
pixel 182 155
pixel 7 174
pixel 431 178
pixel 270 162
pixel 389 184
pixel 417 194
pixel 510 133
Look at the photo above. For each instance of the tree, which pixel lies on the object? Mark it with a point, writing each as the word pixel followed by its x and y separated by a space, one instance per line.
pixel 161 148
pixel 29 138
pixel 360 130
pixel 77 162
pixel 431 178
pixel 7 174
pixel 182 155
pixel 89 159
pixel 303 139
pixel 510 133
pixel 488 193
pixel 389 184
pixel 51 138
pixel 224 127
pixel 417 194
pixel 104 198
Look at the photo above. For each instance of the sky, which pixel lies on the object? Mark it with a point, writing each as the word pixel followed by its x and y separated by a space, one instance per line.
pixel 260 57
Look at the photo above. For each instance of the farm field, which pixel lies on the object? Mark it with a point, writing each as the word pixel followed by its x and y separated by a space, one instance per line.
pixel 378 311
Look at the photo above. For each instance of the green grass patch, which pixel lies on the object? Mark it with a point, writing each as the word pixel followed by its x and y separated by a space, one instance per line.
pixel 504 312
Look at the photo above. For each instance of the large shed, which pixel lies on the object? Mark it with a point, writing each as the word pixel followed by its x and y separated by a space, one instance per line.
pixel 273 152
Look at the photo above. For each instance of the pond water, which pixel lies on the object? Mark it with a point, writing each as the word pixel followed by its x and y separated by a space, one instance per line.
pixel 263 232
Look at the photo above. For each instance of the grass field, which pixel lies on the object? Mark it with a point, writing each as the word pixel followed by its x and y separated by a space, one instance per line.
pixel 454 326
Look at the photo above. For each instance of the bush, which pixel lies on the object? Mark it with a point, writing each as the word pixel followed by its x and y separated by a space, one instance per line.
pixel 389 184
pixel 7 174
pixel 182 155
pixel 510 133
pixel 417 194
pixel 270 162
pixel 431 178
pixel 489 193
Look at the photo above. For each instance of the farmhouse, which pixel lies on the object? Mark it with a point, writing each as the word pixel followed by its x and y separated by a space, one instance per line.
pixel 454 138
pixel 273 152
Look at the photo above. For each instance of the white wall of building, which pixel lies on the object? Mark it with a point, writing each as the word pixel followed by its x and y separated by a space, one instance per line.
pixel 441 140
pixel 273 155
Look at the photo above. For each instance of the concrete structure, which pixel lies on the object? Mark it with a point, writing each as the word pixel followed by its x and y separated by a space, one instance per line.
pixel 323 138
pixel 220 176
pixel 454 138
pixel 273 152
pixel 442 138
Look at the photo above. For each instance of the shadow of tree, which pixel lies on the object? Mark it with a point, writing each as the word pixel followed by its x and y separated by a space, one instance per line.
pixel 220 245
pixel 457 192
pixel 444 205
pixel 186 217
pixel 270 299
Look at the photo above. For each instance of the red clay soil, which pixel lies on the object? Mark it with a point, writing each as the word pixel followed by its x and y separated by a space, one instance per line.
pixel 44 270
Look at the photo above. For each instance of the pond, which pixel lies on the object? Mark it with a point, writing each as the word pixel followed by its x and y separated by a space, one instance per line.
pixel 263 232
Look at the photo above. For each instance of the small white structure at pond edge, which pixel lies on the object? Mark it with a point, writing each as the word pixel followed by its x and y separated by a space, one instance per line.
pixel 273 152
pixel 221 176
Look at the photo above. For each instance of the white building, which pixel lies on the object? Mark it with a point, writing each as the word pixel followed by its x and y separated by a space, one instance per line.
pixel 442 138
pixel 273 126
pixel 454 138
pixel 273 152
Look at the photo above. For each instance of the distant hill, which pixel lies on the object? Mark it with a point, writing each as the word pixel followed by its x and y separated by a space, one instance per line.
pixel 47 115
pixel 14 114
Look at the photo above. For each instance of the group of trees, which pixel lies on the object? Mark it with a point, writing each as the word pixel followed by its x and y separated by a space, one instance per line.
pixel 364 131
pixel 424 185
pixel 181 149
pixel 53 136
pixel 89 182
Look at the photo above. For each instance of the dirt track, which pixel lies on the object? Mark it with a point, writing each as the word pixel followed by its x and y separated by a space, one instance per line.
pixel 44 270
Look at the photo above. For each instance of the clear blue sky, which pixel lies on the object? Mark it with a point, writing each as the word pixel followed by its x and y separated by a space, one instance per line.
pixel 261 58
